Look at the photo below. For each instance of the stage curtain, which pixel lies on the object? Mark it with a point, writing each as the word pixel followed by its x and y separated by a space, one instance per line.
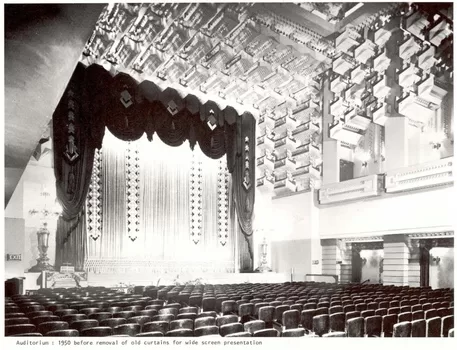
pixel 244 186
pixel 164 200
pixel 164 208
pixel 114 224
pixel 71 240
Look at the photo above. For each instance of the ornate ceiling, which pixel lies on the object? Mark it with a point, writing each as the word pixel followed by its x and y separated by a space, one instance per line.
pixel 268 59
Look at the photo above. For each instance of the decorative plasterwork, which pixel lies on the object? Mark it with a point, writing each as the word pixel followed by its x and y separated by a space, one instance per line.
pixel 423 235
pixel 425 175
pixel 362 239
pixel 363 187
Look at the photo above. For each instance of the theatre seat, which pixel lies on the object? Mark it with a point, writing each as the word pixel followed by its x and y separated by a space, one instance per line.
pixel 270 333
pixel 97 332
pixel 46 327
pixel 18 320
pixel 355 327
pixel 418 328
pixel 156 326
pixel 239 335
pixel 130 329
pixel 63 333
pixel 150 334
pixel 334 335
pixel 181 324
pixel 180 333
pixel 83 324
pixel 447 323
pixel 206 330
pixel 46 318
pixel 253 326
pixel 321 324
pixel 402 330
pixel 294 332
pixel 433 327
pixel 373 326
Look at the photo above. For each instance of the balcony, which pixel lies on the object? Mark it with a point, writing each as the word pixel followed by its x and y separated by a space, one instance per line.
pixel 356 189
pixel 431 174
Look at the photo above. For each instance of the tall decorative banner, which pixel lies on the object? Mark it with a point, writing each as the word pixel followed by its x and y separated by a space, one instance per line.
pixel 196 208
pixel 132 178
pixel 94 199
pixel 222 201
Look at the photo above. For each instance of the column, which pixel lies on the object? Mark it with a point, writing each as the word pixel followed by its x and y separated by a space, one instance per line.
pixel 330 256
pixel 414 266
pixel 316 251
pixel 396 258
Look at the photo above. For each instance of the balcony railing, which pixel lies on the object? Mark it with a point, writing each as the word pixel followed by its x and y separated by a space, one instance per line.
pixel 360 188
pixel 420 176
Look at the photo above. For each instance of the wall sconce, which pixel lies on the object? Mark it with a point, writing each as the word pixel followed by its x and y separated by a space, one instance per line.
pixel 364 158
pixel 436 145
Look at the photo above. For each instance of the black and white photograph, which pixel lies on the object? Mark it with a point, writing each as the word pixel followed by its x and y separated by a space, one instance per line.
pixel 227 170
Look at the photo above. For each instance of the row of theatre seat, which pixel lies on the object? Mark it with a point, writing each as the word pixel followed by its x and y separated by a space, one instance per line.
pixel 241 310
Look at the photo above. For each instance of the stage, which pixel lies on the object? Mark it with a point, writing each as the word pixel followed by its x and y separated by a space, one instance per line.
pixel 112 280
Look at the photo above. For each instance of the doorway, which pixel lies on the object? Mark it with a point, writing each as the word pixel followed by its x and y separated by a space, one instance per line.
pixel 441 267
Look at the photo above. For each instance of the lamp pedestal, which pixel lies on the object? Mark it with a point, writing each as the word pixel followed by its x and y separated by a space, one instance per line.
pixel 43 260
pixel 263 262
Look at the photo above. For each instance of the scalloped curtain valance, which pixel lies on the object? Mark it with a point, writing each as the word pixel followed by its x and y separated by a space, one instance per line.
pixel 95 100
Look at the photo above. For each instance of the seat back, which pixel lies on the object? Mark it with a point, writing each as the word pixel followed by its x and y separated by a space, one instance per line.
pixel 204 321
pixel 307 319
pixel 206 330
pixel 46 327
pixel 388 322
pixel 180 333
pixel 291 319
pixel 294 332
pixel 83 324
pixel 63 333
pixel 270 332
pixel 230 329
pixel 19 329
pixel 334 335
pixel 181 324
pixel 226 319
pixel 405 316
pixel 253 326
pixel 156 326
pixel 447 323
pixel 321 324
pixel 373 326
pixel 337 321
pixel 130 329
pixel 418 328
pixel 433 327
pixel 355 327
pixel 402 329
